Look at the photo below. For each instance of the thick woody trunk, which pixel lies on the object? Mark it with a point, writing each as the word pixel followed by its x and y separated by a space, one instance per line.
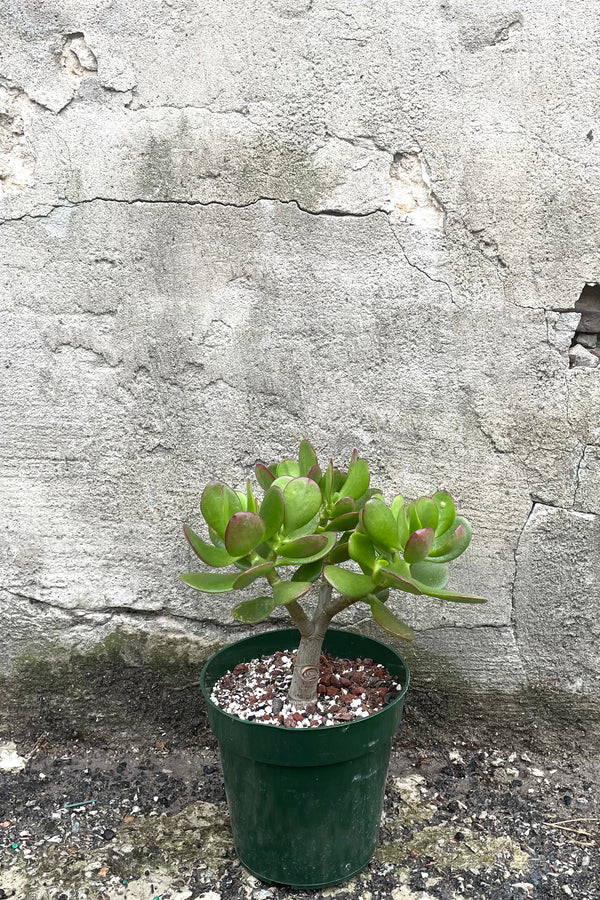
pixel 303 689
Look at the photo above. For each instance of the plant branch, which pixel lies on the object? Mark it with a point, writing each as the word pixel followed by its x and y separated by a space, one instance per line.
pixel 300 619
pixel 336 606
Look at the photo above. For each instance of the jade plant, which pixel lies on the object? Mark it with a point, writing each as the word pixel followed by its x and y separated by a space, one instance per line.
pixel 297 538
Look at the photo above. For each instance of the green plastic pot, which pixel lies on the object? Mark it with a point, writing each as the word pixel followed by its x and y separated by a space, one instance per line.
pixel 305 804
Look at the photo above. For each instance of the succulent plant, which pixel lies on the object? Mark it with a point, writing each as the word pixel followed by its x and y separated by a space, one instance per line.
pixel 308 523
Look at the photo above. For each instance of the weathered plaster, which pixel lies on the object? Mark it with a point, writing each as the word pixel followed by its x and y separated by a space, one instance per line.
pixel 240 226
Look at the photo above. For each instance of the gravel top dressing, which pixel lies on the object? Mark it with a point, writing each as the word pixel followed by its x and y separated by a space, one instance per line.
pixel 348 689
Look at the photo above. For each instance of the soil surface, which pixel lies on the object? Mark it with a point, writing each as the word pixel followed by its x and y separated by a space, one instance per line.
pixel 257 691
pixel 121 796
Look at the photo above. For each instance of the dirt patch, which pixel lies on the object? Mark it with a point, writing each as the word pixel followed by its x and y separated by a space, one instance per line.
pixel 473 808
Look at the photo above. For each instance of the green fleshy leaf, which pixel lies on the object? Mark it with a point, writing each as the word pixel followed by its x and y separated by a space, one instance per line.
pixel 456 542
pixel 250 575
pixel 286 591
pixel 264 476
pixel 250 499
pixel 412 518
pixel 309 548
pixel 340 553
pixel 244 532
pixel 397 505
pixel 315 474
pixel 272 510
pixel 343 506
pixel 339 479
pixel 303 500
pixel 251 612
pixel 327 481
pixel 243 500
pixel 357 481
pixel 418 545
pixel 282 480
pixel 212 556
pixel 309 528
pixel 447 511
pixel 308 572
pixel 307 457
pixel 210 582
pixel 343 523
pixel 386 619
pixel 362 551
pixel 218 505
pixel 432 574
pixel 217 541
pixel 380 524
pixel 394 578
pixel 452 596
pixel 349 584
pixel 428 512
pixel 288 467
pixel 372 492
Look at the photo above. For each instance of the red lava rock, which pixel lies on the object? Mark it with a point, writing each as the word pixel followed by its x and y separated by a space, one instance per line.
pixel 356 690
pixel 332 691
pixel 367 662
pixel 298 716
pixel 315 723
pixel 346 698
pixel 276 672
pixel 289 722
pixel 345 682
pixel 240 669
pixel 334 709
pixel 326 679
pixel 252 700
pixel 321 689
pixel 311 709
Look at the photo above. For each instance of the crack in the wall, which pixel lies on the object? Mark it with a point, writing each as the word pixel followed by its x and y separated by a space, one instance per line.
pixel 81 614
pixel 513 612
pixel 333 213
pixel 417 267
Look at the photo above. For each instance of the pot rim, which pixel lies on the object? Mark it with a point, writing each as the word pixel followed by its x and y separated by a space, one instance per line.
pixel 279 728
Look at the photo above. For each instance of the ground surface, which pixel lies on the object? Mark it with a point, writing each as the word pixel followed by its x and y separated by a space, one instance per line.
pixel 472 810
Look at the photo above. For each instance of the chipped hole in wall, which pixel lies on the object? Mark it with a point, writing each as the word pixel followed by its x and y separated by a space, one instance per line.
pixel 17 160
pixel 584 351
pixel 412 198
pixel 77 59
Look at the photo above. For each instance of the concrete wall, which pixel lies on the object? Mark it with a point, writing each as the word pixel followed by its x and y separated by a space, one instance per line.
pixel 229 226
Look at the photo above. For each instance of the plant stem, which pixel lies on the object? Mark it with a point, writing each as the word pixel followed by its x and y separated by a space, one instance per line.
pixel 303 689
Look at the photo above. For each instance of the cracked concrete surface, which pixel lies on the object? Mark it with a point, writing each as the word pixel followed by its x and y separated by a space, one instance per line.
pixel 243 226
